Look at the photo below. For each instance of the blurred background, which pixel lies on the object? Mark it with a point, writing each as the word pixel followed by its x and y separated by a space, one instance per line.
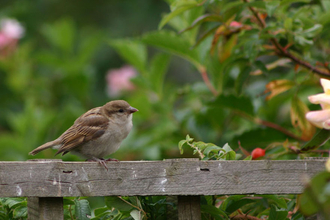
pixel 203 68
pixel 229 71
pixel 57 63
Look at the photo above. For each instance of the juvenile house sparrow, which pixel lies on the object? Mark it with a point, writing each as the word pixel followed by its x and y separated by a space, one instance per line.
pixel 95 134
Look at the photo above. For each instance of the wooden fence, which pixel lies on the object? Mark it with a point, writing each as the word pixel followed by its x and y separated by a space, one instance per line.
pixel 46 182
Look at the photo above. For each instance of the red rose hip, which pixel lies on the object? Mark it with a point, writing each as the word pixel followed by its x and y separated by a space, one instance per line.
pixel 258 152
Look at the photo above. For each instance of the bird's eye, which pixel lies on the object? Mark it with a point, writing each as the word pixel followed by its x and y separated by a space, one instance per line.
pixel 121 110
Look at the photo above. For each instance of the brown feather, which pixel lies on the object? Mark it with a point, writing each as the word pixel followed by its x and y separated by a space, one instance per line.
pixel 89 126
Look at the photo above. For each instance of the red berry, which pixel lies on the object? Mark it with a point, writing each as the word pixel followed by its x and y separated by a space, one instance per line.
pixel 258 152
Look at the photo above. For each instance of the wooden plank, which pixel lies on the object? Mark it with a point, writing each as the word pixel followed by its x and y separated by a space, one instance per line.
pixel 189 208
pixel 175 177
pixel 45 208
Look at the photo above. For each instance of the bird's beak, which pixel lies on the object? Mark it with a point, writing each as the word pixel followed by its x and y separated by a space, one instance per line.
pixel 132 110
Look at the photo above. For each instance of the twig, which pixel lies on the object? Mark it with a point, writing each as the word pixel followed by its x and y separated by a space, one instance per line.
pixel 70 212
pixel 138 208
pixel 284 52
pixel 270 125
pixel 279 128
pixel 206 79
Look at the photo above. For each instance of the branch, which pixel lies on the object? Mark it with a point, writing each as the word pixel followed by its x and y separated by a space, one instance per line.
pixel 284 52
pixel 206 79
pixel 279 128
pixel 269 124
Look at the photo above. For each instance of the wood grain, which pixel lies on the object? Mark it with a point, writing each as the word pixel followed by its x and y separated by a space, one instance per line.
pixel 173 177
pixel 189 208
pixel 46 208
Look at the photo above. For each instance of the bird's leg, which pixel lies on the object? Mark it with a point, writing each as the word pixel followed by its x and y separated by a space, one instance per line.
pixel 112 159
pixel 100 161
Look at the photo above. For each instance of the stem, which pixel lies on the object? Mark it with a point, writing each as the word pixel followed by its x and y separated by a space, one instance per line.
pixel 70 212
pixel 138 208
pixel 284 52
pixel 270 125
pixel 279 128
pixel 206 79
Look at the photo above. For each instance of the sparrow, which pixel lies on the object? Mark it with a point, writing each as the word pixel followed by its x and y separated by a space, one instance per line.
pixel 96 133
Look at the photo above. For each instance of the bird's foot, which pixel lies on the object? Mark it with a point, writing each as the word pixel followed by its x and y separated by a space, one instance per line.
pixel 100 161
pixel 112 159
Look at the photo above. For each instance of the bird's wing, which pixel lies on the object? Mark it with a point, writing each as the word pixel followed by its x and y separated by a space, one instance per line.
pixel 89 126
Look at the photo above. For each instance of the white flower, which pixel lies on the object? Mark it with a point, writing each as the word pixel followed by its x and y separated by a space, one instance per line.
pixel 321 118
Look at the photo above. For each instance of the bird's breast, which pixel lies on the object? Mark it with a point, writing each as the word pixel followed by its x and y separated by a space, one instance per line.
pixel 107 143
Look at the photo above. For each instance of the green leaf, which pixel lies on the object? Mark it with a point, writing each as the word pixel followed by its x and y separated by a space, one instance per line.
pixel 239 104
pixel 136 214
pixel 181 143
pixel 237 5
pixel 230 200
pixel 313 31
pixel 132 51
pixel 298 119
pixel 115 202
pixel 265 136
pixel 212 210
pixel 233 206
pixel 241 79
pixel 68 201
pixel 231 155
pixel 158 68
pixel 20 212
pixel 277 214
pixel 177 10
pixel 210 149
pixel 82 209
pixel 288 24
pixel 171 42
pixel 61 34
pixel 227 148
pixel 271 7
pixel 100 211
pixel 286 3
pixel 315 196
pixel 318 140
pixel 202 19
pixel 280 202
pixel 248 158
pixel 188 138
pixel 11 202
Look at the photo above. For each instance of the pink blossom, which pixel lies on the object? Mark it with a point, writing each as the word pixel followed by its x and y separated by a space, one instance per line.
pixel 4 40
pixel 235 24
pixel 10 32
pixel 321 118
pixel 12 28
pixel 119 80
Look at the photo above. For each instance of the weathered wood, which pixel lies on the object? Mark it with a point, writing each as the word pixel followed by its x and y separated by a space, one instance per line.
pixel 175 177
pixel 189 208
pixel 45 208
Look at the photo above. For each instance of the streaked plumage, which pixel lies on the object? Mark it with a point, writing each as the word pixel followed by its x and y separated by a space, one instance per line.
pixel 97 133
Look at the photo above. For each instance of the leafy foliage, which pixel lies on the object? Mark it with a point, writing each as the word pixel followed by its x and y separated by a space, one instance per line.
pixel 230 73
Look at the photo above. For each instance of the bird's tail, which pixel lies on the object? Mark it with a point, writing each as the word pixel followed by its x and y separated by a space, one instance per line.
pixel 45 146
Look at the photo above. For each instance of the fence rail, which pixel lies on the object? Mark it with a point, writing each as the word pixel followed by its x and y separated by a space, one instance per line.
pixel 45 182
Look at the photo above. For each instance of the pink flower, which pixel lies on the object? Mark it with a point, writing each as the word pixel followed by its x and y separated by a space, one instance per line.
pixel 119 80
pixel 321 118
pixel 10 32
pixel 235 24
pixel 4 40
pixel 12 28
